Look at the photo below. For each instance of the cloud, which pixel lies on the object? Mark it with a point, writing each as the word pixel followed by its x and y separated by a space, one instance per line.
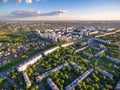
pixel 53 13
pixel 3 1
pixel 17 1
pixel 24 13
pixel 28 1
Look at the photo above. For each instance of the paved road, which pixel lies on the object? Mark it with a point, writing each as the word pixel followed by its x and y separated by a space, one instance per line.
pixel 3 74
pixel 13 82
pixel 41 86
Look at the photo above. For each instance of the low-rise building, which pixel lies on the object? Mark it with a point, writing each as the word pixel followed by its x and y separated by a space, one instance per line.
pixel 1 52
pixel 51 50
pixel 51 71
pixel 100 52
pixel 96 48
pixel 105 34
pixel 102 41
pixel 113 59
pixel 104 73
pixel 88 54
pixel 52 84
pixel 93 32
pixel 75 65
pixel 24 65
pixel 117 86
pixel 80 78
pixel 26 78
pixel 67 44
pixel 117 31
pixel 110 33
pixel 81 49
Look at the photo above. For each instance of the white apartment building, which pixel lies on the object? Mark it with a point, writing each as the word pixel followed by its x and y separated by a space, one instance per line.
pixel 104 73
pixel 103 41
pixel 110 29
pixel 100 52
pixel 117 31
pixel 55 36
pixel 1 52
pixel 26 78
pixel 88 54
pixel 105 34
pixel 23 66
pixel 79 79
pixel 110 33
pixel 113 59
pixel 93 32
pixel 51 71
pixel 66 38
pixel 52 85
pixel 52 36
pixel 51 50
pixel 75 65
pixel 81 49
pixel 117 86
pixel 67 44
pixel 96 48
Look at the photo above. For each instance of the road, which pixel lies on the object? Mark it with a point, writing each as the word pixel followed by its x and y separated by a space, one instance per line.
pixel 41 86
pixel 13 82
pixel 3 74
pixel 9 70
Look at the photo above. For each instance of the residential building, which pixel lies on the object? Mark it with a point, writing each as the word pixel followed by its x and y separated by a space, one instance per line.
pixel 79 79
pixel 24 65
pixel 52 84
pixel 26 78
pixel 102 41
pixel 117 86
pixel 100 52
pixel 51 50
pixel 81 49
pixel 96 48
pixel 88 54
pixel 113 59
pixel 67 44
pixel 93 32
pixel 50 71
pixel 75 65
pixel 104 73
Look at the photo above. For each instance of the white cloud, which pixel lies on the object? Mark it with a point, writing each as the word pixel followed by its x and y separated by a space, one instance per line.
pixel 22 14
pixel 25 13
pixel 28 1
pixel 3 1
pixel 17 1
pixel 53 13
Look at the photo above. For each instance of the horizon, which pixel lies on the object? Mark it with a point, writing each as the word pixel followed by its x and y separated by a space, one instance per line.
pixel 62 20
pixel 84 10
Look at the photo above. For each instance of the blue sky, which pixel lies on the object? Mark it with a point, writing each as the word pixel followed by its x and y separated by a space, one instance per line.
pixel 60 9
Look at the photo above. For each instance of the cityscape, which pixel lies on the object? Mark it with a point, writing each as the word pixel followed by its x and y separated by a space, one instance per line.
pixel 59 45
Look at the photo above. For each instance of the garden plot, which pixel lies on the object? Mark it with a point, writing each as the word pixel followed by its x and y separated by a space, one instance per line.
pixel 65 76
pixel 110 67
pixel 112 38
pixel 113 53
pixel 6 85
pixel 95 81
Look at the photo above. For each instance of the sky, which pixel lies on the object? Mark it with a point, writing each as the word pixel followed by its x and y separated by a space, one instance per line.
pixel 59 9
